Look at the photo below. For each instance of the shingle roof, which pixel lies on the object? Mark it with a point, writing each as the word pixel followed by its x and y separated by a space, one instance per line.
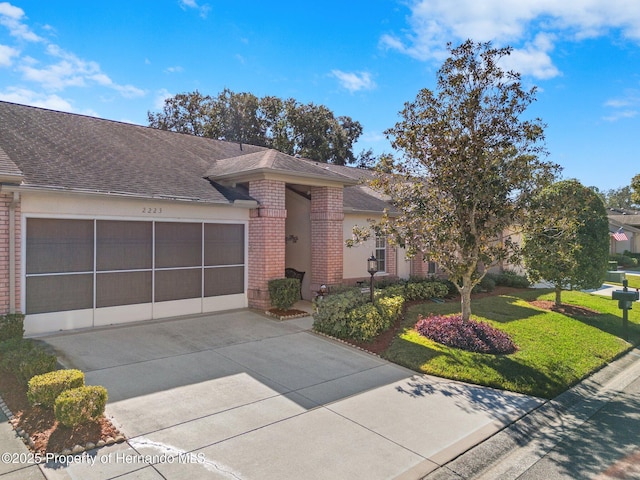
pixel 57 150
pixel 61 150
pixel 624 216
pixel 274 161
pixel 8 169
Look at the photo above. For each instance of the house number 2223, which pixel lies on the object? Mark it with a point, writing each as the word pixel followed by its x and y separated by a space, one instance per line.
pixel 152 210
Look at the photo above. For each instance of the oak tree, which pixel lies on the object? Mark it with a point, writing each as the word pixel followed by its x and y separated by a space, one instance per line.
pixel 307 130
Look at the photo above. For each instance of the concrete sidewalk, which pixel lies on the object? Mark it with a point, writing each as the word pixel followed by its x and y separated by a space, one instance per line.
pixel 238 395
pixel 590 431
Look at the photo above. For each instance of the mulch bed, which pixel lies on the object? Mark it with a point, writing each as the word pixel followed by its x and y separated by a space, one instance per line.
pixel 568 310
pixel 47 434
pixel 286 314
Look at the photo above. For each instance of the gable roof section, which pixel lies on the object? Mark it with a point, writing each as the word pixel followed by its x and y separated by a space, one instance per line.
pixel 9 171
pixel 56 150
pixel 269 163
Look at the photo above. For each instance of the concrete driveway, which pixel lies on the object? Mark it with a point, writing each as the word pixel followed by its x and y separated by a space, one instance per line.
pixel 242 396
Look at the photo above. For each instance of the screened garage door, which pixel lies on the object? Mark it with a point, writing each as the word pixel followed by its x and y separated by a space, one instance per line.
pixel 164 268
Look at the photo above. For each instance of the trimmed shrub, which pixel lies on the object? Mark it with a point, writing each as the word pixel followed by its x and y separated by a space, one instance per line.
pixel 365 322
pixel 284 292
pixel 394 290
pixel 390 307
pixel 11 326
pixel 26 359
pixel 80 405
pixel 36 363
pixel 331 313
pixel 44 389
pixel 487 284
pixel 509 279
pixel 473 336
pixel 424 290
pixel 11 345
pixel 624 260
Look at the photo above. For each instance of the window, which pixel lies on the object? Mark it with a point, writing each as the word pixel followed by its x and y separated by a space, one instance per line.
pixel 381 253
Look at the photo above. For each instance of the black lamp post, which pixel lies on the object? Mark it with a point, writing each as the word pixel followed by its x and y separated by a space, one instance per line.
pixel 372 268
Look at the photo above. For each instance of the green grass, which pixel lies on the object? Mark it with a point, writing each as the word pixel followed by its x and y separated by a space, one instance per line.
pixel 555 351
pixel 633 281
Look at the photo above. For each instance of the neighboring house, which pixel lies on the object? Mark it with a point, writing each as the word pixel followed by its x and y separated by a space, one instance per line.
pixel 624 226
pixel 106 222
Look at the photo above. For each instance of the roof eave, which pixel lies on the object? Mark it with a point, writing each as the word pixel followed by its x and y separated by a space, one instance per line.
pixel 287 176
pixel 136 196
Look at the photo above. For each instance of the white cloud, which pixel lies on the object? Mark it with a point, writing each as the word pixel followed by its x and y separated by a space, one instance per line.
pixel 71 71
pixel 623 107
pixel 11 17
pixel 620 115
pixel 507 22
pixel 161 96
pixel 36 99
pixel 6 55
pixel 176 69
pixel 354 81
pixel 202 9
pixel 534 58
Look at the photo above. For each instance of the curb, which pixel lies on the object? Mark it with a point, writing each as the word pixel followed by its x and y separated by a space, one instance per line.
pixel 545 426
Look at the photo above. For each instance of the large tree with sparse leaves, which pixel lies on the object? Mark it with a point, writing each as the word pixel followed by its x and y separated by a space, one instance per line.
pixel 470 166
pixel 308 130
pixel 566 241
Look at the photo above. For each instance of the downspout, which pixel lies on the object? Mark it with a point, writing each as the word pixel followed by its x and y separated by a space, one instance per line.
pixel 12 252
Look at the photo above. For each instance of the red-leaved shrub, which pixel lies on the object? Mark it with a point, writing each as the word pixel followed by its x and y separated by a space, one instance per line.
pixel 471 335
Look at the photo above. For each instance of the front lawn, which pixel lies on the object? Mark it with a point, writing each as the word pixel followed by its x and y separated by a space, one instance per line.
pixel 633 281
pixel 556 350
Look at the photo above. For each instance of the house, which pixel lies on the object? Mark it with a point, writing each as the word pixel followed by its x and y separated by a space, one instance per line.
pixel 106 222
pixel 624 227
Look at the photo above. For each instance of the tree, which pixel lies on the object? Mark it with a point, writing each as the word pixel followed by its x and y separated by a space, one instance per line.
pixel 635 185
pixel 618 198
pixel 184 113
pixel 308 130
pixel 566 241
pixel 470 166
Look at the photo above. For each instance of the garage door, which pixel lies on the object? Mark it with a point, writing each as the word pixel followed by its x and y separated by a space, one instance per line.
pixel 162 268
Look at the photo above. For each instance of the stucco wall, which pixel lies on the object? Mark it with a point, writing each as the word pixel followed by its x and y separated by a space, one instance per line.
pixel 355 258
pixel 298 238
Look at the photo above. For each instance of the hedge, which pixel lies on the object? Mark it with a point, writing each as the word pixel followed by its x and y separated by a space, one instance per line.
pixel 11 326
pixel 44 389
pixel 80 405
pixel 26 360
pixel 331 315
pixel 284 292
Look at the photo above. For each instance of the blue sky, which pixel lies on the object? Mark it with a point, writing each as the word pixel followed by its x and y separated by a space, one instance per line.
pixel 365 59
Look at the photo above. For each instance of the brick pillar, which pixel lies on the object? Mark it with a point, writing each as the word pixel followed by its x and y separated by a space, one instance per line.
pixel 419 267
pixel 5 257
pixel 392 255
pixel 266 240
pixel 327 215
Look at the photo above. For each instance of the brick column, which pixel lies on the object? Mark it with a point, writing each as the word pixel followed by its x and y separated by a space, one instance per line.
pixel 419 267
pixel 5 254
pixel 327 215
pixel 266 240
pixel 392 254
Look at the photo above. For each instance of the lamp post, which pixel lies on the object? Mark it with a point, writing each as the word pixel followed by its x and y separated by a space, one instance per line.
pixel 372 268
